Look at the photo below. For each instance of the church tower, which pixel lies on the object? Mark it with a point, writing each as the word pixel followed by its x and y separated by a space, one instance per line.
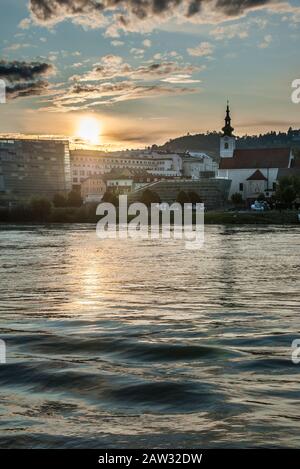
pixel 227 141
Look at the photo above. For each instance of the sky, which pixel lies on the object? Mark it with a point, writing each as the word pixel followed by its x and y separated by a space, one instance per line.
pixel 148 70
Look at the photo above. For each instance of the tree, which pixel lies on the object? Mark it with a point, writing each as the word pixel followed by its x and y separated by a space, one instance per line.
pixel 59 200
pixel 237 199
pixel 150 197
pixel 288 189
pixel 74 199
pixel 41 208
pixel 288 195
pixel 109 197
pixel 194 197
pixel 183 198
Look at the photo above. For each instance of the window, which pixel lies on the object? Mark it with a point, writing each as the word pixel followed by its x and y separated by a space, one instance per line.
pixel 226 146
pixel 241 187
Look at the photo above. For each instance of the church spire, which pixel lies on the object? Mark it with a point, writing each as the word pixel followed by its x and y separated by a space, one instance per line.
pixel 227 129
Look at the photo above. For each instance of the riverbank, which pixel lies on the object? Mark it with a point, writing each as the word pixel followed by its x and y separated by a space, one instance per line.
pixel 87 214
pixel 270 217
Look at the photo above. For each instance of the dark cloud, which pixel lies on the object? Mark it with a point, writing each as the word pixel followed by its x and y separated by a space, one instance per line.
pixel 194 7
pixel 137 137
pixel 112 66
pixel 123 88
pixel 24 71
pixel 27 89
pixel 237 7
pixel 49 10
pixel 91 11
pixel 83 96
pixel 25 79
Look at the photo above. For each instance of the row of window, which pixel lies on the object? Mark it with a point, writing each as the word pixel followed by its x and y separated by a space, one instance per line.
pixel 130 161
pixel 123 183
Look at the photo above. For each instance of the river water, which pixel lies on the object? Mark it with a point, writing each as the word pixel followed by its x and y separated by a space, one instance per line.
pixel 147 344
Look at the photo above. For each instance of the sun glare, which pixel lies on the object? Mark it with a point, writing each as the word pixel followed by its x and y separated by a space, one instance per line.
pixel 89 129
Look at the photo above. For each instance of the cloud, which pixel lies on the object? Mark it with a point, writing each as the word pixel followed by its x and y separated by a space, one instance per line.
pixel 84 12
pixel 27 89
pixel 138 53
pixel 134 15
pixel 112 66
pixel 85 96
pixel 230 31
pixel 24 71
pixel 102 85
pixel 25 79
pixel 177 79
pixel 203 49
pixel 149 135
pixel 147 43
pixel 16 46
pixel 117 43
pixel 25 23
pixel 240 30
pixel 266 42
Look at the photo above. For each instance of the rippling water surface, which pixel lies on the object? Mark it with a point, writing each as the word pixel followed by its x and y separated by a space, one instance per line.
pixel 147 344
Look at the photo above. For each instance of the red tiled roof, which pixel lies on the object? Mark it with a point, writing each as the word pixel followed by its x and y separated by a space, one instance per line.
pixel 257 158
pixel 257 176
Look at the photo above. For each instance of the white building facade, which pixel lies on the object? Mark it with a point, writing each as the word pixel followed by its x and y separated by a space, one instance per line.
pixel 86 163
pixel 197 166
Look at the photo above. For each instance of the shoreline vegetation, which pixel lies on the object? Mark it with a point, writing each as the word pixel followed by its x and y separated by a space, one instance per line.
pixel 281 209
pixel 87 214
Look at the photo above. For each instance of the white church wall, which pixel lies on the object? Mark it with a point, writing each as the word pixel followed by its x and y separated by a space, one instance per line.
pixel 227 146
pixel 240 176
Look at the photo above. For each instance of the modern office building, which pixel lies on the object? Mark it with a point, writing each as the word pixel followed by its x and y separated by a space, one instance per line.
pixel 33 168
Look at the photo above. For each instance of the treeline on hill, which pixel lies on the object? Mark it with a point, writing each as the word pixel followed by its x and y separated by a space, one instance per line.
pixel 210 142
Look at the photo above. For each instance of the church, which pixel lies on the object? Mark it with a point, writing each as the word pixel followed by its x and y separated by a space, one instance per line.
pixel 252 171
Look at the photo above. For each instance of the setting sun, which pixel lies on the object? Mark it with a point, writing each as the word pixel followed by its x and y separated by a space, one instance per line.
pixel 89 129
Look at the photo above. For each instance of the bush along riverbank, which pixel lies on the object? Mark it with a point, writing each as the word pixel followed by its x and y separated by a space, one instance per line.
pixel 38 213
